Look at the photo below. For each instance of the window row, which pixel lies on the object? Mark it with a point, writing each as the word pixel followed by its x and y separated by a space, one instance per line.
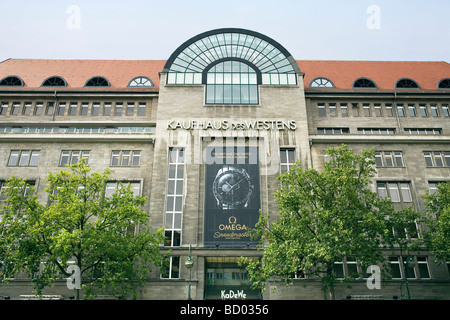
pixel 57 81
pixel 388 131
pixel 365 83
pixel 74 108
pixel 348 267
pixel 110 188
pixel 119 158
pixel 382 109
pixel 399 268
pixel 109 129
pixel 395 158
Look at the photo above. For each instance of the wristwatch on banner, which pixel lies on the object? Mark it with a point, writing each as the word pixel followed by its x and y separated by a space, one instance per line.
pixel 232 187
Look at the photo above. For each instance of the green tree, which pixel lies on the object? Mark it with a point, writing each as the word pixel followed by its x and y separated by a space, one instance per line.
pixel 437 220
pixel 79 225
pixel 323 216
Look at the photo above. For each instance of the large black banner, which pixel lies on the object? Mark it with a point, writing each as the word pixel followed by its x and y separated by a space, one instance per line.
pixel 232 195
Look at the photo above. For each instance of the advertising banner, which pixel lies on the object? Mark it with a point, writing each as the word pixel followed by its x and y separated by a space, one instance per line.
pixel 232 195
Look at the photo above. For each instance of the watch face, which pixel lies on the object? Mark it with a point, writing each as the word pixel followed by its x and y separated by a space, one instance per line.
pixel 233 187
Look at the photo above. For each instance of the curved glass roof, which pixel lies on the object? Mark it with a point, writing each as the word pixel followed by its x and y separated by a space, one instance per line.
pixel 196 54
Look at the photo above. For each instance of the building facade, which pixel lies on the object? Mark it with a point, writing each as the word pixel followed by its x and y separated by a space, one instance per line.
pixel 204 135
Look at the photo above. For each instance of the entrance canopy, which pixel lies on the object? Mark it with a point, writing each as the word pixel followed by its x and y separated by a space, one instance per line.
pixel 192 60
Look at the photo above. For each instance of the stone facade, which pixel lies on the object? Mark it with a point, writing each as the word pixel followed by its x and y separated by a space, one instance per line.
pixel 319 117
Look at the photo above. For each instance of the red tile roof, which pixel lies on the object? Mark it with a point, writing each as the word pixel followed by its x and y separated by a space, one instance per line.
pixel 119 73
pixel 385 74
pixel 33 72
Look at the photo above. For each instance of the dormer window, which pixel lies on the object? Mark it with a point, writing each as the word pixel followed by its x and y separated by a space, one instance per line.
pixel 12 81
pixel 54 82
pixel 97 82
pixel 444 84
pixel 140 82
pixel 363 83
pixel 406 84
pixel 321 83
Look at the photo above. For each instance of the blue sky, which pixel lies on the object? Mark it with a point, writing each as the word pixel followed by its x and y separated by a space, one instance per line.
pixel 310 30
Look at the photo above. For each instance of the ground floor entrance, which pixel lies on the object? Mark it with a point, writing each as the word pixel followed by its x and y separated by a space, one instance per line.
pixel 226 280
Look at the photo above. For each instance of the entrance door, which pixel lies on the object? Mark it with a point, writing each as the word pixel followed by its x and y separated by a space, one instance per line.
pixel 226 280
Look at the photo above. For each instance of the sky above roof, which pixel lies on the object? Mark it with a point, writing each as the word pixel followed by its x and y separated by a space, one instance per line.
pixel 145 29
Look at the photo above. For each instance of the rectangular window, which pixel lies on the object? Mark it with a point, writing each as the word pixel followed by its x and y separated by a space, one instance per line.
pixel 412 110
pixel 321 109
pixel 73 109
pixel 4 108
pixel 112 186
pixel 437 158
pixel 26 108
pixel 171 268
pixel 333 130
pixel 389 110
pixel 377 109
pixel 396 272
pixel 15 108
pixel 423 110
pixel 434 110
pixel 332 108
pixel 174 200
pixel 339 269
pixel 118 109
pixel 376 130
pixel 344 110
pixel 38 108
pixel 396 191
pixel 3 186
pixel 398 159
pixel 423 131
pixel 125 158
pixel 447 158
pixel 61 108
pixel 445 110
pixel 50 108
pixel 130 108
pixel 84 108
pixel 287 159
pixel 389 159
pixel 95 108
pixel 142 109
pixel 69 157
pixel 379 159
pixel 107 109
pixel 410 272
pixel 367 110
pixel 24 158
pixel 352 266
pixel 433 187
pixel 400 110
pixel 422 264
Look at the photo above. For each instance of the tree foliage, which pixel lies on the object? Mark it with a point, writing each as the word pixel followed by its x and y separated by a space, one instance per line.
pixel 78 225
pixel 322 217
pixel 437 219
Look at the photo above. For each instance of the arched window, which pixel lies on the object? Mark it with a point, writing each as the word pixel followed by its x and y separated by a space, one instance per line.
pixel 321 83
pixel 140 82
pixel 444 84
pixel 232 82
pixel 97 82
pixel 267 57
pixel 54 82
pixel 364 83
pixel 406 83
pixel 12 81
